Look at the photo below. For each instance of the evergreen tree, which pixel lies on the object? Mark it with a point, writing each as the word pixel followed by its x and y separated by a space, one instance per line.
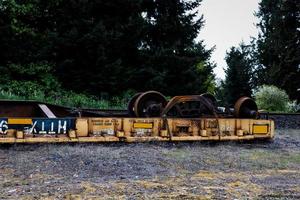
pixel 238 74
pixel 172 61
pixel 103 46
pixel 278 44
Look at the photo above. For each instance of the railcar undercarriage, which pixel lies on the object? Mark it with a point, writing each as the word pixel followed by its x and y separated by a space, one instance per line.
pixel 149 117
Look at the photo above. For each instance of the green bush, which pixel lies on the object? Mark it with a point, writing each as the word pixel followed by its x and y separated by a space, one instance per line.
pixel 273 99
pixel 35 81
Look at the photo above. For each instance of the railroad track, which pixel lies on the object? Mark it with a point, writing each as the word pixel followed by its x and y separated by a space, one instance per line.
pixel 279 113
pixel 284 120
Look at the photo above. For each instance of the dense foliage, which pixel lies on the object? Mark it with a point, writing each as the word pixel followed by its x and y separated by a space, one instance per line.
pixel 278 44
pixel 271 98
pixel 92 50
pixel 104 47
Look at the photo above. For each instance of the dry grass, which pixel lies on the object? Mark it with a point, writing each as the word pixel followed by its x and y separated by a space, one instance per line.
pixel 230 170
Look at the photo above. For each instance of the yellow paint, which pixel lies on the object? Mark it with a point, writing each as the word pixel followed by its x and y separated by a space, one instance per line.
pixel 120 134
pixel 260 129
pixel 20 135
pixel 19 121
pixel 82 127
pixel 124 127
pixel 143 125
pixel 163 133
pixel 72 134
pixel 203 133
pixel 145 139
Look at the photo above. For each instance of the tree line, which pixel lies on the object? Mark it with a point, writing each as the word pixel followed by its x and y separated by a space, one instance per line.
pixel 100 47
pixel 273 58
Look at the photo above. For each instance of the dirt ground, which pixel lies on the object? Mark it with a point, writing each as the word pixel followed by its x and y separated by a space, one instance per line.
pixel 226 170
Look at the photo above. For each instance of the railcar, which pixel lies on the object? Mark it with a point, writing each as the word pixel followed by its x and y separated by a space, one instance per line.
pixel 149 117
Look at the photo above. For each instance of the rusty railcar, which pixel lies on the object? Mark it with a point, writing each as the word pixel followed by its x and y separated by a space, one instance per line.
pixel 149 117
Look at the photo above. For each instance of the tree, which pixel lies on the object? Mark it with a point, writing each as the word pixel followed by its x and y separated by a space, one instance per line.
pixel 103 46
pixel 96 44
pixel 91 43
pixel 238 80
pixel 24 44
pixel 278 44
pixel 171 60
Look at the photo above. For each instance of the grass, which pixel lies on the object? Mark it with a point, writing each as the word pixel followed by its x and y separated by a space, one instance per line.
pixel 154 171
pixel 70 99
pixel 268 159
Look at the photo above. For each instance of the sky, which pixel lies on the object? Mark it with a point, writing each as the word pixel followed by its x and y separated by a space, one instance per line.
pixel 227 24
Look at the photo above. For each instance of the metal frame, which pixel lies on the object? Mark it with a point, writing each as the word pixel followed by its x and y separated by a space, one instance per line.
pixel 114 129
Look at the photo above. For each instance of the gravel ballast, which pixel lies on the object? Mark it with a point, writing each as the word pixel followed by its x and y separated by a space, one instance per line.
pixel 289 121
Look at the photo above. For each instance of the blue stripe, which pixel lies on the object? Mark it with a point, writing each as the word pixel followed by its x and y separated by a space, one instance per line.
pixel 40 126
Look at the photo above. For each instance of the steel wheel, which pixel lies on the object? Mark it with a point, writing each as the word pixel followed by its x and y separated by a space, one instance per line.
pixel 130 106
pixel 245 107
pixel 149 104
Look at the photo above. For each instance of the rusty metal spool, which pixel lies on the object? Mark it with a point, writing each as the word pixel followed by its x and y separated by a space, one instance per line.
pixel 245 107
pixel 130 106
pixel 149 104
pixel 189 107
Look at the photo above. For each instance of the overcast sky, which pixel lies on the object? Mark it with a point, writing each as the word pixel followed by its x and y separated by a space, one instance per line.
pixel 227 23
